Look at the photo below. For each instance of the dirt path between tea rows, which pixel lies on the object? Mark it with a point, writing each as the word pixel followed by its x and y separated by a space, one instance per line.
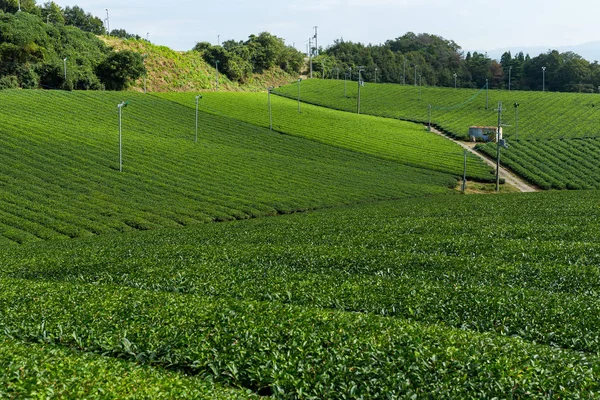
pixel 509 177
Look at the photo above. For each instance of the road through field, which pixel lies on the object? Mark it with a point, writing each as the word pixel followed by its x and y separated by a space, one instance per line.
pixel 509 177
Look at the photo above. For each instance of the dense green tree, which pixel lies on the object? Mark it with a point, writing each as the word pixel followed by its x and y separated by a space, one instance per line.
pixel 77 17
pixel 120 68
pixel 52 13
pixel 12 6
pixel 239 60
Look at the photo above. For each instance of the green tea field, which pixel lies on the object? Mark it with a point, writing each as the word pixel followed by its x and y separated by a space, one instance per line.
pixel 444 296
pixel 60 175
pixel 405 143
pixel 541 115
pixel 552 135
pixel 329 258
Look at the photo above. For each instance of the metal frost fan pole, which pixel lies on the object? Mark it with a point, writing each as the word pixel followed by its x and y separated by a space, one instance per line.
pixel 120 107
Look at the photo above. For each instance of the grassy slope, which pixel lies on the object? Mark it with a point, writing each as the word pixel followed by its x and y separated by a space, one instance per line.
pixel 557 132
pixel 174 71
pixel 402 142
pixel 60 178
pixel 450 296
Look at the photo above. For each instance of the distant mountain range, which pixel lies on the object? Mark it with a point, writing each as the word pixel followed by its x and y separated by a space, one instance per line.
pixel 590 51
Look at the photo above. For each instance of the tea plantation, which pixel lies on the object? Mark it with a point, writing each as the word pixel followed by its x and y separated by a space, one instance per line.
pixel 390 139
pixel 60 168
pixel 552 138
pixel 541 115
pixel 443 296
pixel 379 282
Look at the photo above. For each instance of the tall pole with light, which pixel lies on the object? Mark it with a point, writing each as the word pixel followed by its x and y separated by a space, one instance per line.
pixel 429 115
pixel 270 114
pixel 65 67
pixel 487 95
pixel 360 82
pixel 310 55
pixel 217 71
pixel 404 73
pixel 197 98
pixel 455 76
pixel 415 75
pixel 120 106
pixel 543 79
pixel 19 4
pixel 299 80
pixel 107 24
pixel 516 121
pixel 499 142
pixel 509 77
pixel 144 56
pixel 375 74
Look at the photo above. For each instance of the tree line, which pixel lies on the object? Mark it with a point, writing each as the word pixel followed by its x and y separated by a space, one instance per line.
pixel 55 48
pixel 239 60
pixel 432 60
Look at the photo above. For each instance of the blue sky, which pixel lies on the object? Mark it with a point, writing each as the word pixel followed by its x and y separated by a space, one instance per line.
pixel 473 24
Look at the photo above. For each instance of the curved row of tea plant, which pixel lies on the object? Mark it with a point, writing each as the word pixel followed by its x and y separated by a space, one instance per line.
pixel 288 351
pixel 394 140
pixel 46 371
pixel 553 164
pixel 59 157
pixel 453 296
pixel 541 115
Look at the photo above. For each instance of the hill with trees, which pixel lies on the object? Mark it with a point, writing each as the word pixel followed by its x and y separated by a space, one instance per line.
pixel 432 60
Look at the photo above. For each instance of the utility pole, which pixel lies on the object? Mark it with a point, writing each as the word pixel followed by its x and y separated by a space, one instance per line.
pixel 107 23
pixel 316 40
pixel 345 92
pixel 487 98
pixel 65 67
pixel 415 75
pixel 197 98
pixel 217 71
pixel 498 146
pixel 429 124
pixel 360 82
pixel 120 107
pixel 516 121
pixel 299 80
pixel 310 54
pixel 543 79
pixel 145 72
pixel 464 182
pixel 455 76
pixel 19 4
pixel 270 115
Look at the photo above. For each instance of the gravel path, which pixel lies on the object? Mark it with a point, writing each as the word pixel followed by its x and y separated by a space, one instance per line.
pixel 509 177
